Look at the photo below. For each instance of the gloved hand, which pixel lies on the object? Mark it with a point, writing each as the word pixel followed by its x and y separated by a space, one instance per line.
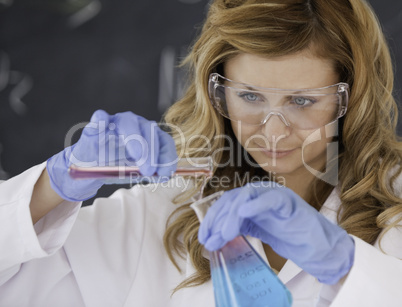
pixel 121 139
pixel 280 218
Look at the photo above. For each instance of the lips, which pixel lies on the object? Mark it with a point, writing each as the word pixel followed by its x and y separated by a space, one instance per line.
pixel 277 153
pixel 277 150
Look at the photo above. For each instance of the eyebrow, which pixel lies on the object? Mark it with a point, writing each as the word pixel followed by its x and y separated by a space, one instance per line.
pixel 262 89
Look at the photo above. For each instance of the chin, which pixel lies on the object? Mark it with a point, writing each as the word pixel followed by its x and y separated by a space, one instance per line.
pixel 282 166
pixel 280 169
pixel 285 164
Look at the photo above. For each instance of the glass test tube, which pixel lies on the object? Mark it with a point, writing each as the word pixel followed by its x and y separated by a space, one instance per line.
pixel 240 277
pixel 195 167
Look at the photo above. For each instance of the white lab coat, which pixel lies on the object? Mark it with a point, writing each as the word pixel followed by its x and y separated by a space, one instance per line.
pixel 111 254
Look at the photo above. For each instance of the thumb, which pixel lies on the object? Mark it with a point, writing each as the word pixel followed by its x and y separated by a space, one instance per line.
pixel 99 123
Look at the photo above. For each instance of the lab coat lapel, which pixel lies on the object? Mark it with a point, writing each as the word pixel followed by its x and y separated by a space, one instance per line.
pixel 99 286
pixel 289 271
pixel 330 208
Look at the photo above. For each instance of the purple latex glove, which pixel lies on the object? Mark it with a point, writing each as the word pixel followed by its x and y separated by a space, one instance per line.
pixel 282 219
pixel 120 139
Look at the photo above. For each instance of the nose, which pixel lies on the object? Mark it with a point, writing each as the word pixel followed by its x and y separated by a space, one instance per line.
pixel 276 126
pixel 280 115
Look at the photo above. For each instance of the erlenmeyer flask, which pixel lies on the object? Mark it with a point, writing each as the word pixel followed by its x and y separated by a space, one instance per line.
pixel 240 276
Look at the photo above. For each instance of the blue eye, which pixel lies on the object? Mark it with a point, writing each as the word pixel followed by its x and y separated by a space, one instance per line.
pixel 303 101
pixel 250 97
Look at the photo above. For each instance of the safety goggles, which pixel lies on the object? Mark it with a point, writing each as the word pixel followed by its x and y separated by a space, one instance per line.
pixel 303 109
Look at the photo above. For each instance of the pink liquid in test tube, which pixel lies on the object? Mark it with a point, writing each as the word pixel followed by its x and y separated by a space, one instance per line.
pixel 195 167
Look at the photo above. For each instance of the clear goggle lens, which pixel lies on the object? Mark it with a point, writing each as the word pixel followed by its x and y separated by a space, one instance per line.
pixel 299 108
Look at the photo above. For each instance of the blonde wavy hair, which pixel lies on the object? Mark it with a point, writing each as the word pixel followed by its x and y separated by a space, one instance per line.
pixel 346 31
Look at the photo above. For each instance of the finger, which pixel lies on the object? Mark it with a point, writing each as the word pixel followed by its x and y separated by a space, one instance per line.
pixel 213 214
pixel 215 242
pixel 233 221
pixel 98 123
pixel 130 131
pixel 167 160
pixel 151 152
pixel 277 201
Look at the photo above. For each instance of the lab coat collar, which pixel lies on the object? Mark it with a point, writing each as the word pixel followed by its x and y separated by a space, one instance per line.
pixel 331 206
pixel 86 272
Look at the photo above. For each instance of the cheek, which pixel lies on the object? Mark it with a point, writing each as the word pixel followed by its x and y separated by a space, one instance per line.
pixel 313 143
pixel 244 134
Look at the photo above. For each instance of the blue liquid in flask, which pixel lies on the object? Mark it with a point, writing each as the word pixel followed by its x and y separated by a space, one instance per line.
pixel 240 277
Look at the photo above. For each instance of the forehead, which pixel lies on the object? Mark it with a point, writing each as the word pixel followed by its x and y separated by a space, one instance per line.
pixel 296 71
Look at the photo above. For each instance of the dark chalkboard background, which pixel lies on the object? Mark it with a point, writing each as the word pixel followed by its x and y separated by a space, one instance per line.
pixel 60 60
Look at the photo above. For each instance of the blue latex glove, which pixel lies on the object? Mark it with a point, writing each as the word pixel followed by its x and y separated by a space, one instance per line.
pixel 280 218
pixel 121 139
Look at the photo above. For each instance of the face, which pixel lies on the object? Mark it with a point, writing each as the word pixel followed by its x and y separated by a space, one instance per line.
pixel 276 146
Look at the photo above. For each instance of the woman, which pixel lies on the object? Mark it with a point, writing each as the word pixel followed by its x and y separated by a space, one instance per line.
pixel 275 78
